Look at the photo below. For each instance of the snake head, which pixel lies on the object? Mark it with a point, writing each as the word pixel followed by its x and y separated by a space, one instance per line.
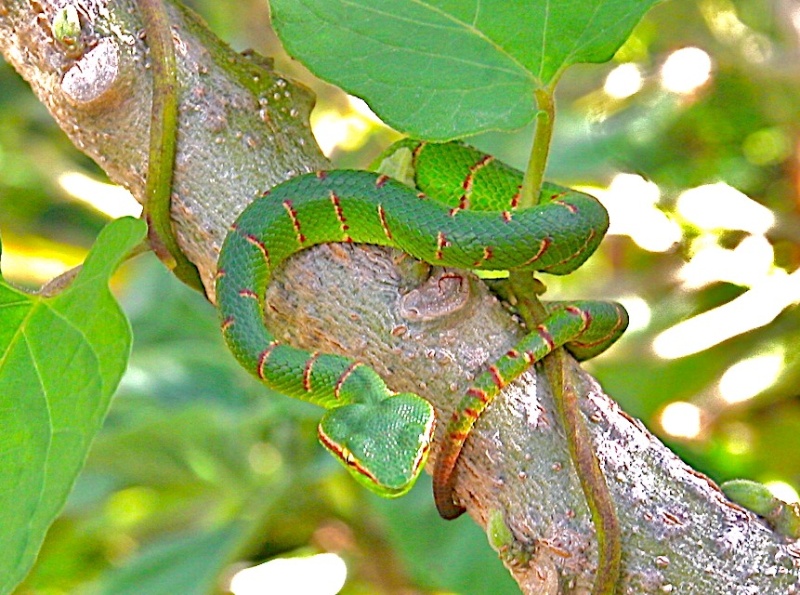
pixel 383 444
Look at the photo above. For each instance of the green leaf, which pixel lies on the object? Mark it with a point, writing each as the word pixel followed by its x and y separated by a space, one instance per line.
pixel 189 564
pixel 441 69
pixel 61 359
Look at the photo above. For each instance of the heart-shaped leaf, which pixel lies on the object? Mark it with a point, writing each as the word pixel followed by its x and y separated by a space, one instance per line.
pixel 442 69
pixel 61 359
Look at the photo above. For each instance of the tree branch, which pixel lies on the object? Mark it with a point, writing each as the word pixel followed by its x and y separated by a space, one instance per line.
pixel 243 129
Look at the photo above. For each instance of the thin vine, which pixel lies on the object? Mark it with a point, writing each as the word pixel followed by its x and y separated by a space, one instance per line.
pixel 526 289
pixel 163 144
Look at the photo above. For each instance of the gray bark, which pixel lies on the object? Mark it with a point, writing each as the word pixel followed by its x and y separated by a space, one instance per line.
pixel 243 129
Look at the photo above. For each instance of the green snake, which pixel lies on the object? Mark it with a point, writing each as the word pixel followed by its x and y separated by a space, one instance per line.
pixel 465 215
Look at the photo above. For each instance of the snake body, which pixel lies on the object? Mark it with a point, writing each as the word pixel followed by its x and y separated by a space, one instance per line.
pixel 466 216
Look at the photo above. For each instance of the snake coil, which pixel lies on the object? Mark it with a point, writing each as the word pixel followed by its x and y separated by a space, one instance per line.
pixel 465 217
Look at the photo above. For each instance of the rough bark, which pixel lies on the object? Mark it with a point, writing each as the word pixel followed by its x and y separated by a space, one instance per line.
pixel 243 129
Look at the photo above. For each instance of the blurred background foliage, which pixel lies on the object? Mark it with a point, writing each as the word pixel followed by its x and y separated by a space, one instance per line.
pixel 690 138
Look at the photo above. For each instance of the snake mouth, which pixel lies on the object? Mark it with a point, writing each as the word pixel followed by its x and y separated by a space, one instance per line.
pixel 345 455
pixel 424 451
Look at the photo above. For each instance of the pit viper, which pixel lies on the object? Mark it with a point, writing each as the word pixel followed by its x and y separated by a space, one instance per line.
pixel 463 213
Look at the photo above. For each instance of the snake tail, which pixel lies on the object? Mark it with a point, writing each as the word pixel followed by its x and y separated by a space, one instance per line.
pixel 585 328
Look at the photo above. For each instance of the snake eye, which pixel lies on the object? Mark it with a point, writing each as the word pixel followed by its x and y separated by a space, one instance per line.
pixel 348 457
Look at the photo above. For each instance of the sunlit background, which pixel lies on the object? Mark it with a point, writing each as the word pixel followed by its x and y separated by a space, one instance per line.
pixel 690 139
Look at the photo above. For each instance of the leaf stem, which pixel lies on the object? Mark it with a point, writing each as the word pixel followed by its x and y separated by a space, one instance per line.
pixel 61 282
pixel 537 162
